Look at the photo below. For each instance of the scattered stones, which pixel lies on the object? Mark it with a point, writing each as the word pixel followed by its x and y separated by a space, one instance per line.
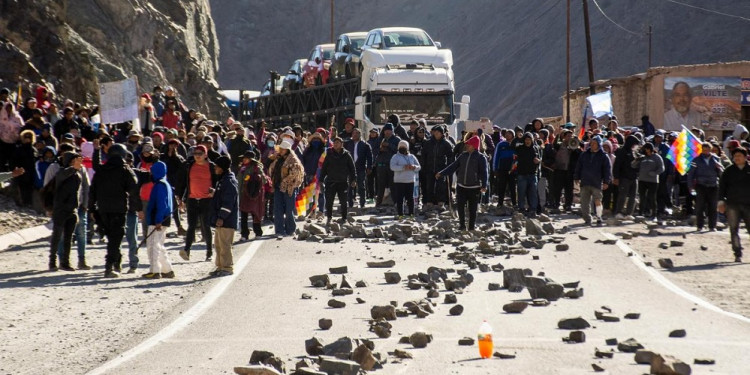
pixel 340 348
pixel 666 263
pixel 611 342
pixel 606 242
pixel 338 270
pixel 363 355
pixel 360 300
pixel 540 287
pixel 392 277
pixel 574 294
pixel 308 371
pixel 548 228
pixel 456 310
pixel 383 264
pixel 562 247
pixel 575 337
pixel 315 229
pixel 420 339
pixel 674 243
pixel 643 357
pixel 262 357
pixel 504 355
pixel 633 316
pixel 320 281
pixel 450 298
pixel 516 307
pixel 606 317
pixel 573 323
pixel 668 365
pixel 325 324
pixel 338 366
pixel 629 346
pixel 601 354
pixel 381 328
pixel 582 238
pixel 494 286
pixel 402 354
pixel 678 333
pixel 386 312
pixel 664 246
pixel 704 247
pixel 360 284
pixel 314 346
pixel 341 292
pixel 704 361
pixel 433 293
pixel 597 368
pixel 344 283
pixel 255 370
pixel 336 304
pixel 466 341
pixel 306 296
pixel 540 302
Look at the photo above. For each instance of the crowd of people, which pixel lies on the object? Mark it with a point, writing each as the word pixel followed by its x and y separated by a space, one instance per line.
pixel 117 180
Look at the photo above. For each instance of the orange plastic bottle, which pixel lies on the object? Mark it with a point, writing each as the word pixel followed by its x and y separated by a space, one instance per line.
pixel 485 340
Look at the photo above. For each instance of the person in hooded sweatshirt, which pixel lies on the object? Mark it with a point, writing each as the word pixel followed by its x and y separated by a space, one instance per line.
pixel 650 165
pixel 405 167
pixel 740 134
pixel 529 158
pixel 338 173
pixel 625 177
pixel 734 200
pixel 472 180
pixel 594 172
pixel 64 218
pixel 225 218
pixel 703 178
pixel 158 215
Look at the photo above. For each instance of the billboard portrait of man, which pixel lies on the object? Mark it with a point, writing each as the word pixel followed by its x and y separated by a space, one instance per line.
pixel 681 112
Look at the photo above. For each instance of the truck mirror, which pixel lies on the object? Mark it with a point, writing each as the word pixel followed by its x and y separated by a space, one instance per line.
pixel 466 99
pixel 438 45
pixel 359 108
pixel 463 111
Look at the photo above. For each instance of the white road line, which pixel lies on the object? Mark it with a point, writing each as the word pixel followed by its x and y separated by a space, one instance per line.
pixel 186 318
pixel 656 275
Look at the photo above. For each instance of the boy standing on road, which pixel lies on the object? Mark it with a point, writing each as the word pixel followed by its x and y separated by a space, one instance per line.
pixel 224 215
pixel 157 216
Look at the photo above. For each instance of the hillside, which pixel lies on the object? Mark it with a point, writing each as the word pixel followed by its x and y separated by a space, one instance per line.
pixel 72 45
pixel 509 55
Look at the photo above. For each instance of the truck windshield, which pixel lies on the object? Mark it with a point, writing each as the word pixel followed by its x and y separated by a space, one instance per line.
pixel 357 44
pixel 434 108
pixel 407 39
pixel 327 53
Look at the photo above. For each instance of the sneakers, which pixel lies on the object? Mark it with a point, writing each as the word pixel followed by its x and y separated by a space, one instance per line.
pixel 225 273
pixel 168 275
pixel 151 275
pixel 738 259
pixel 184 255
pixel 209 258
pixel 83 266
pixel 67 268
pixel 111 275
pixel 620 217
pixel 214 272
pixel 599 221
pixel 132 269
pixel 243 239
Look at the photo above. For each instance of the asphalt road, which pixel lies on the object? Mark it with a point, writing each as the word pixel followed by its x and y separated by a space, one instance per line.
pixel 261 309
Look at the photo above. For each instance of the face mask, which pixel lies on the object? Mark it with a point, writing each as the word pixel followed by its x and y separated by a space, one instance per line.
pixel 270 143
pixel 50 159
pixel 316 143
pixel 149 159
pixel 403 151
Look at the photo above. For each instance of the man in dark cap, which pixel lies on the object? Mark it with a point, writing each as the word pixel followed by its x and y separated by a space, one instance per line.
pixel 398 129
pixel 208 141
pixel 224 215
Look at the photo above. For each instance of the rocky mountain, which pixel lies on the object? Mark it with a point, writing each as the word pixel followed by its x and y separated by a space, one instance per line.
pixel 73 45
pixel 509 55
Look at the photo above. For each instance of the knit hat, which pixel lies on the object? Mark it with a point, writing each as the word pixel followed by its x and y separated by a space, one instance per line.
pixel 403 144
pixel 388 126
pixel 374 130
pixel 147 148
pixel 394 119
pixel 68 157
pixel 224 162
pixel 733 144
pixel 439 129
pixel 174 141
pixel 117 149
pixel 473 142
pixel 157 134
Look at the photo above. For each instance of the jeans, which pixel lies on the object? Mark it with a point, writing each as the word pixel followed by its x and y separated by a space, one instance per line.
pixel 561 181
pixel 131 235
pixel 63 227
pixel 706 200
pixel 114 227
pixel 647 191
pixel 403 192
pixel 359 190
pixel 506 180
pixel 542 192
pixel 371 184
pixel 735 213
pixel 339 189
pixel 80 234
pixel 199 208
pixel 383 181
pixel 283 213
pixel 471 197
pixel 627 190
pixel 527 189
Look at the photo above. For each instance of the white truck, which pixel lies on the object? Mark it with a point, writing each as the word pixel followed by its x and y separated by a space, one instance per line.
pixel 405 72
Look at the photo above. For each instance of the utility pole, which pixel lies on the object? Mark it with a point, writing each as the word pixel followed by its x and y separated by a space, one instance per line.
pixel 332 22
pixel 649 46
pixel 567 66
pixel 589 58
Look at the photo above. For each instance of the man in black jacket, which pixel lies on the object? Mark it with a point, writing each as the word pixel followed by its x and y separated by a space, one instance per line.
pixel 437 153
pixel 626 178
pixel 398 129
pixel 362 154
pixel 528 157
pixel 174 161
pixel 65 206
pixel 734 199
pixel 114 190
pixel 339 173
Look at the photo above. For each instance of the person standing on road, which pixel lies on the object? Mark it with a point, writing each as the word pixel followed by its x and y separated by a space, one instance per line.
pixel 594 173
pixel 225 215
pixel 398 128
pixel 703 178
pixel 650 166
pixel 528 157
pixel 64 217
pixel 339 173
pixel 157 217
pixel 734 201
pixel 197 183
pixel 626 178
pixel 405 167
pixel 113 191
pixel 362 154
pixel 502 163
pixel 472 180
pixel 372 173
pixel 252 182
pixel 436 155
pixel 286 174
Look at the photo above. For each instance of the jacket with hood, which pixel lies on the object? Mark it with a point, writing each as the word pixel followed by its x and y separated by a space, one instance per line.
pixel 41 166
pixel 593 168
pixel 610 154
pixel 705 171
pixel 502 161
pixel 338 167
pixel 525 156
pixel 470 169
pixel 649 167
pixel 736 135
pixel 225 204
pixel 733 185
pixel 159 208
pixel 623 159
pixel 436 155
pixel 115 188
pixel 237 148
pixel 292 173
pixel 311 155
pixel 67 188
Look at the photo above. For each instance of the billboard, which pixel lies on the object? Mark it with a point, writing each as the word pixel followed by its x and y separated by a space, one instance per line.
pixel 118 101
pixel 709 103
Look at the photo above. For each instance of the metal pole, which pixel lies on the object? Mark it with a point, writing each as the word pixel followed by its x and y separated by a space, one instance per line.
pixel 649 46
pixel 567 66
pixel 589 58
pixel 332 22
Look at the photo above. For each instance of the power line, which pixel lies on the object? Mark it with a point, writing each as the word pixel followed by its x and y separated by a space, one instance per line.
pixel 709 10
pixel 613 22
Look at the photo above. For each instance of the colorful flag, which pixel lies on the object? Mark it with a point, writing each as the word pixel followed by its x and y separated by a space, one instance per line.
pixel 582 131
pixel 307 197
pixel 684 149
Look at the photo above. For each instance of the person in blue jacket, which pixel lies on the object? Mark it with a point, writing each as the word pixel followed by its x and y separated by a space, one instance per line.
pixel 158 216
pixel 225 215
